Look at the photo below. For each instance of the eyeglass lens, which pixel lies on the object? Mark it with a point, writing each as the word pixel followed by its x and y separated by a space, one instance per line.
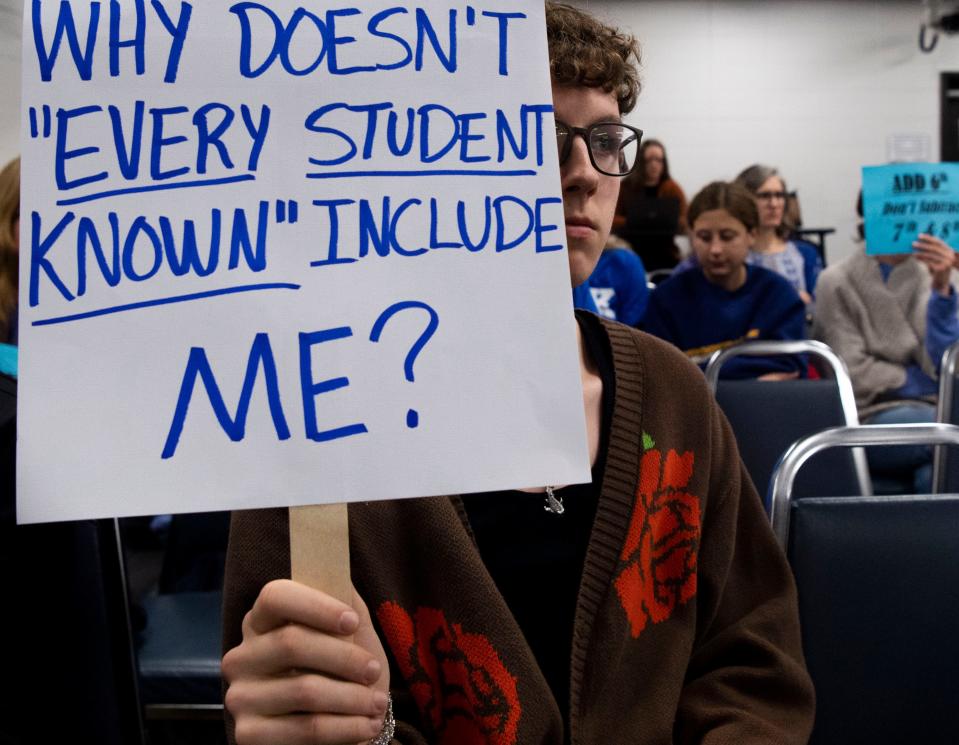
pixel 768 196
pixel 613 147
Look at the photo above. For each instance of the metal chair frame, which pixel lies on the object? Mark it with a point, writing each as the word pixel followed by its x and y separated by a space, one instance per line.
pixel 860 436
pixel 656 276
pixel 947 388
pixel 836 366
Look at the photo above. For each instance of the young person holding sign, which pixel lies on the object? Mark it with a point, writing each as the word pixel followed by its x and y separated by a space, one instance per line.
pixel 651 605
pixel 891 317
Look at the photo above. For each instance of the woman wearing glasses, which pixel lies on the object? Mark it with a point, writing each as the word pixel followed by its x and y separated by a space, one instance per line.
pixel 650 605
pixel 797 261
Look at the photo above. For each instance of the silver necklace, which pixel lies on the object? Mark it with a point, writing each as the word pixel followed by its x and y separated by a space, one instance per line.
pixel 553 503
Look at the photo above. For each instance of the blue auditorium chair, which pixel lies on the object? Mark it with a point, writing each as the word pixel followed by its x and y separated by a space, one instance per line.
pixel 878 606
pixel 179 647
pixel 768 416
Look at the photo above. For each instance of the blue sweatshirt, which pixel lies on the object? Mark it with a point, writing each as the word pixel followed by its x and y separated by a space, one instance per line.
pixel 583 299
pixel 942 329
pixel 618 286
pixel 700 318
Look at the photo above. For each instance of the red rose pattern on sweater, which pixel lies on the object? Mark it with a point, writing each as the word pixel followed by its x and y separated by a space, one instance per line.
pixel 658 561
pixel 458 680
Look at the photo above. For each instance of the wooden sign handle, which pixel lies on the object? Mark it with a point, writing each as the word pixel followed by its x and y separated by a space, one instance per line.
pixel 320 549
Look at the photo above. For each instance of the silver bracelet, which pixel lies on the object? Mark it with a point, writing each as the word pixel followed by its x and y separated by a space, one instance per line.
pixel 389 725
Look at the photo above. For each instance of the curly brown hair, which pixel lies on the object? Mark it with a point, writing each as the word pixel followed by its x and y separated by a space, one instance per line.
pixel 583 51
pixel 9 254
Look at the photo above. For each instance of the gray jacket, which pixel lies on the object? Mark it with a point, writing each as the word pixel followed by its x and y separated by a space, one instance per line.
pixel 878 328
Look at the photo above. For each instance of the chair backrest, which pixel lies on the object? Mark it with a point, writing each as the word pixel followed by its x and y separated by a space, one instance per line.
pixel 946 459
pixel 195 553
pixel 767 417
pixel 180 647
pixel 876 578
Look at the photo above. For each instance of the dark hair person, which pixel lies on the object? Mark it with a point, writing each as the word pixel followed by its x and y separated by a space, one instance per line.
pixel 527 616
pixel 651 209
pixel 798 261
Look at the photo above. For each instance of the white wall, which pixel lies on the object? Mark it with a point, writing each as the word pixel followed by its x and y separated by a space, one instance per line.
pixel 10 15
pixel 814 88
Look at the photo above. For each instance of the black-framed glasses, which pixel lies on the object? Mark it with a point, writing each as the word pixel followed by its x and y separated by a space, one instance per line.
pixel 612 146
pixel 770 196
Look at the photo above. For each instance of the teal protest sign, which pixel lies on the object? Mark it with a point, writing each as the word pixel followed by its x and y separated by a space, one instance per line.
pixel 902 200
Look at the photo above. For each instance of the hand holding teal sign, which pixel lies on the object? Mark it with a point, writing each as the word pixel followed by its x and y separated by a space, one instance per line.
pixel 902 200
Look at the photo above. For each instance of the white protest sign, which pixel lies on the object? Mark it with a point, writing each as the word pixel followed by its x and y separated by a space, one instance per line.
pixel 280 254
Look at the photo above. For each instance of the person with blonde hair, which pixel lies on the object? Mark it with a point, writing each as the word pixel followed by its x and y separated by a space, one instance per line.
pixel 9 249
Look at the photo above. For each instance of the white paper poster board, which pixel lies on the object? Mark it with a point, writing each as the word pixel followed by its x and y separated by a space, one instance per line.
pixel 281 254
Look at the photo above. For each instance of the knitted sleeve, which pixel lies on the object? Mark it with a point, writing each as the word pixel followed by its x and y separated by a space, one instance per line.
pixel 259 551
pixel 942 325
pixel 746 681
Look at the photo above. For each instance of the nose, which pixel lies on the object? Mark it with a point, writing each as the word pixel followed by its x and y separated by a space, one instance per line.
pixel 577 173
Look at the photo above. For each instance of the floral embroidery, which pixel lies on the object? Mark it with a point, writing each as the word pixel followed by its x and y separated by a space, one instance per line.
pixel 658 560
pixel 458 680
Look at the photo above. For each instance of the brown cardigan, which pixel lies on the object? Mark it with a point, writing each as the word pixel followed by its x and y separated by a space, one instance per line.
pixel 686 627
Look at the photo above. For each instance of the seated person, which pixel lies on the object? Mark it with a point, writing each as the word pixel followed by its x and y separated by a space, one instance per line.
pixel 583 298
pixel 891 317
pixel 9 258
pixel 651 210
pixel 723 300
pixel 9 254
pixel 796 260
pixel 655 604
pixel 617 285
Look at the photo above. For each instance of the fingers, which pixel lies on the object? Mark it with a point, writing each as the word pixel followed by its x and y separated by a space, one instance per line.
pixel 307 729
pixel 296 647
pixel 305 694
pixel 930 248
pixel 779 376
pixel 926 239
pixel 283 601
pixel 310 669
